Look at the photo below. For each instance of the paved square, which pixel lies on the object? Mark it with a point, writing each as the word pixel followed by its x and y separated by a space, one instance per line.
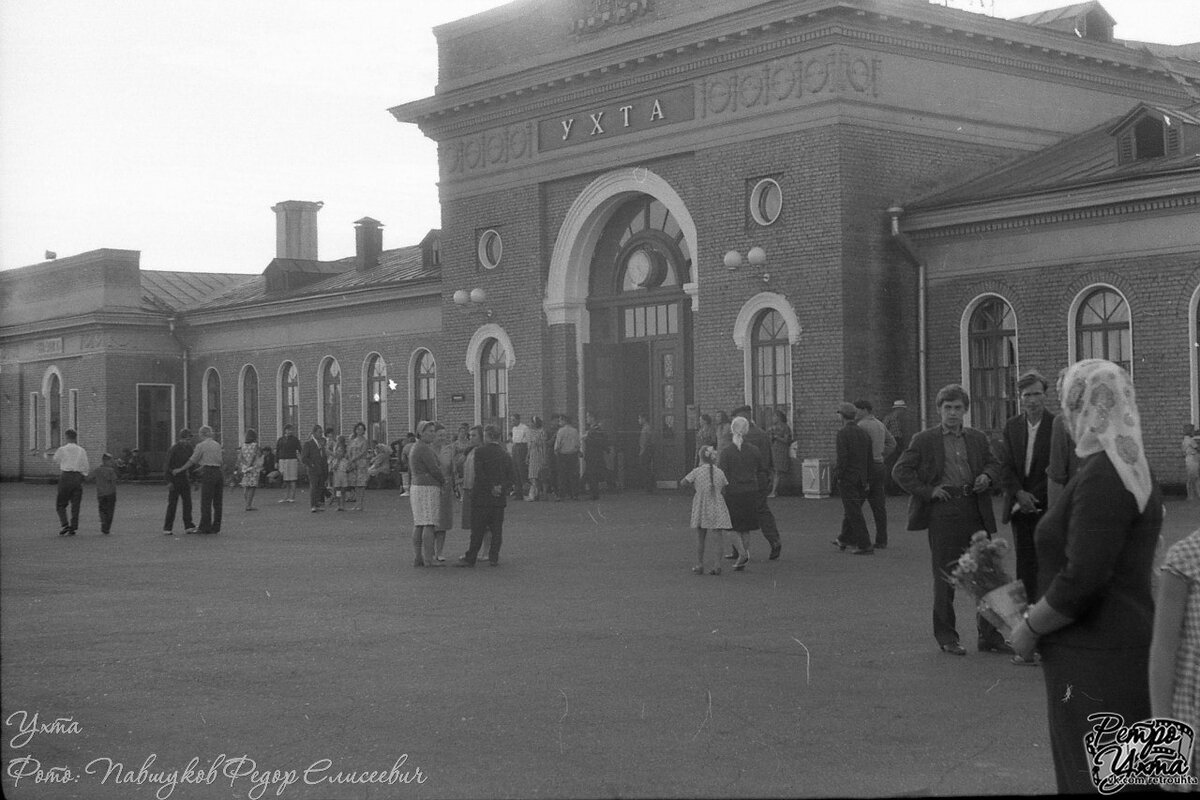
pixel 294 649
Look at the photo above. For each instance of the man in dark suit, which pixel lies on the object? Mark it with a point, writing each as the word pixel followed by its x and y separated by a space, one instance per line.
pixel 852 473
pixel 595 450
pixel 766 520
pixel 312 455
pixel 949 471
pixel 494 479
pixel 1024 453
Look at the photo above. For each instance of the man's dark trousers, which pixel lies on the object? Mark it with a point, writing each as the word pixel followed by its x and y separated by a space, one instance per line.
pixel 1023 526
pixel 854 524
pixel 520 457
pixel 212 488
pixel 70 491
pixel 316 486
pixel 877 498
pixel 766 521
pixel 486 519
pixel 180 492
pixel 951 525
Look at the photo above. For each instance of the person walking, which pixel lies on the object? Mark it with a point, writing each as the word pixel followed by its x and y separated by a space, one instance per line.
pixel 179 484
pixel 73 467
pixel 948 472
pixel 566 456
pixel 312 455
pixel 883 444
pixel 1094 621
pixel 766 518
pixel 852 473
pixel 595 453
pixel 520 455
pixel 287 451
pixel 425 493
pixel 208 457
pixel 493 481
pixel 250 461
pixel 105 478
pixel 746 470
pixel 710 515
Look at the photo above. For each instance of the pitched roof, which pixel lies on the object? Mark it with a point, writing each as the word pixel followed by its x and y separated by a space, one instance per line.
pixel 174 291
pixel 1050 16
pixel 398 266
pixel 1086 159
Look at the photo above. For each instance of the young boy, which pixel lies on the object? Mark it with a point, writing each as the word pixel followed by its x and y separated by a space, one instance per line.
pixel 105 477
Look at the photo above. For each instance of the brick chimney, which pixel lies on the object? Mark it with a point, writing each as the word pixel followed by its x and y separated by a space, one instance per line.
pixel 296 229
pixel 368 238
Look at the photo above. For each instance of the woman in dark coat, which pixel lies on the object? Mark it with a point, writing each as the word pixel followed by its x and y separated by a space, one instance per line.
pixel 1095 545
pixel 746 470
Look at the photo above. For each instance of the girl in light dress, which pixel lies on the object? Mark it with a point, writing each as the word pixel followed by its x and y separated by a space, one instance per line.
pixel 1175 649
pixel 338 467
pixel 709 512
pixel 250 461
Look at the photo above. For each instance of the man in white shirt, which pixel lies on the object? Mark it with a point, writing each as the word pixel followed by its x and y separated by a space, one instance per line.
pixel 72 461
pixel 1024 454
pixel 520 455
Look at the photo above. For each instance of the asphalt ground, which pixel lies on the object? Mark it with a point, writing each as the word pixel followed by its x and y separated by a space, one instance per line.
pixel 295 648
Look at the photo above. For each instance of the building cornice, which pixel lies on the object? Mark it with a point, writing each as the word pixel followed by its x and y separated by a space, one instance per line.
pixel 927 29
pixel 1174 194
pixel 101 319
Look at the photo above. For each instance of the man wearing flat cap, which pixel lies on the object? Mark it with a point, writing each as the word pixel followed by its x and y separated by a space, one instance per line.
pixel 852 473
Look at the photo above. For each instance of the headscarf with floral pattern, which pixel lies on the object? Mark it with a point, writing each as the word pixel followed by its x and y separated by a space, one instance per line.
pixel 1101 413
pixel 739 428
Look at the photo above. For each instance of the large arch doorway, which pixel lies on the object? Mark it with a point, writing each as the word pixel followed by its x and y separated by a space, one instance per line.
pixel 638 357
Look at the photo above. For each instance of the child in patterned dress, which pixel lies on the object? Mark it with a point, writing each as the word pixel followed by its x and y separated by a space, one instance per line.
pixel 1175 650
pixel 709 512
pixel 338 464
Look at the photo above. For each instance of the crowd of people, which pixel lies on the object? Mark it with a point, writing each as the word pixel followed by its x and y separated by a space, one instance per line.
pixel 1081 501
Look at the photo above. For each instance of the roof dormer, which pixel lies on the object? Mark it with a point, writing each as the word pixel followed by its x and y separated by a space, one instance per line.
pixel 1153 132
pixel 1085 20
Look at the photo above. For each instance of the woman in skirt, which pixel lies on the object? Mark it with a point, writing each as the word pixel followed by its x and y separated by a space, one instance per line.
pixel 425 493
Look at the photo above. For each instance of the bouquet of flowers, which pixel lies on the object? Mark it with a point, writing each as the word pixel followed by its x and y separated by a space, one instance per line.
pixel 980 572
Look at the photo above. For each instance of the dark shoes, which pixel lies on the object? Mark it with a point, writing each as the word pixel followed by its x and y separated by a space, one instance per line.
pixel 64 530
pixel 776 549
pixel 954 649
pixel 838 544
pixel 881 546
pixel 1036 661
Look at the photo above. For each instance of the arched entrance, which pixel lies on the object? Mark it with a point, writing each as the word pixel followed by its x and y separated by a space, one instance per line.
pixel 623 274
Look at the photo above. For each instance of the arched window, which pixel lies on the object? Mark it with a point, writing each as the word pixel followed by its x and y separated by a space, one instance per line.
pixel 1102 328
pixel 331 394
pixel 425 387
pixel 54 412
pixel 377 391
pixel 212 402
pixel 249 399
pixel 992 364
pixel 494 397
pixel 289 397
pixel 771 367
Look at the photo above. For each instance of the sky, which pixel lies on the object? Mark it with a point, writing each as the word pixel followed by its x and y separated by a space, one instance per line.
pixel 172 127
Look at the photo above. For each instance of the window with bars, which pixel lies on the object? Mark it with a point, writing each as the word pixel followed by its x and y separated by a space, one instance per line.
pixel 642 322
pixel 212 402
pixel 377 392
pixel 289 397
pixel 771 367
pixel 494 396
pixel 1102 328
pixel 992 364
pixel 54 413
pixel 425 384
pixel 331 394
pixel 249 399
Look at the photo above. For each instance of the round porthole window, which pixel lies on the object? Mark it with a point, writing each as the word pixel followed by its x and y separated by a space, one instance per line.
pixel 491 249
pixel 766 201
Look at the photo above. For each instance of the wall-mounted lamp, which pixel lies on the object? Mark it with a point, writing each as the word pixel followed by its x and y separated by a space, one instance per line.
pixel 755 257
pixel 472 302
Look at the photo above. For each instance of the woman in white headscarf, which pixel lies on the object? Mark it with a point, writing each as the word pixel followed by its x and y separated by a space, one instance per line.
pixel 1095 545
pixel 746 470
